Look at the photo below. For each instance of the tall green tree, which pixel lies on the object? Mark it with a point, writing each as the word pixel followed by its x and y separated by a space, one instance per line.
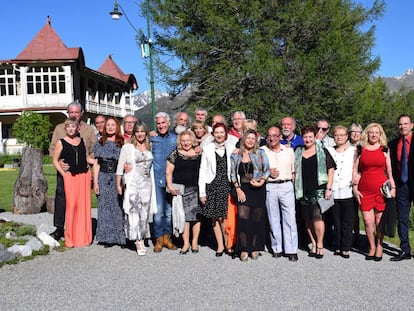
pixel 306 58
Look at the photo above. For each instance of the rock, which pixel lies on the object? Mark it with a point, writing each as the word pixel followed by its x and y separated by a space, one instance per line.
pixel 23 250
pixel 45 228
pixel 34 243
pixel 10 235
pixel 48 240
pixel 6 255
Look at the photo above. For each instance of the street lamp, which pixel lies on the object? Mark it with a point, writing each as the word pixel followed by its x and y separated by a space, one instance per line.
pixel 146 49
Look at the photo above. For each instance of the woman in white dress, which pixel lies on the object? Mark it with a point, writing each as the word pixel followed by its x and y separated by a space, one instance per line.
pixel 137 181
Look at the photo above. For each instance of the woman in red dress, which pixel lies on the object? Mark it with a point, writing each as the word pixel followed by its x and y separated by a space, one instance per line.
pixel 372 168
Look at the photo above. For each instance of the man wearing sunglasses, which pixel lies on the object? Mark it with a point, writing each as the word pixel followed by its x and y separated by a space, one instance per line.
pixel 323 127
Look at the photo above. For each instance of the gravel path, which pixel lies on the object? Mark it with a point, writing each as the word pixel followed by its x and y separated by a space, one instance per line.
pixel 93 278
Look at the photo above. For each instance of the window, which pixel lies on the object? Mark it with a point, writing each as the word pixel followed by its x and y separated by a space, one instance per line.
pixel 9 82
pixel 46 80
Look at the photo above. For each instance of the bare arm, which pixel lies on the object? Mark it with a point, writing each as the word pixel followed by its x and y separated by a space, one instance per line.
pixel 168 177
pixel 96 168
pixel 55 159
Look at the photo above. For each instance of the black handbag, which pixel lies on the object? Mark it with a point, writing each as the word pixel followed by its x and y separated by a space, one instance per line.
pixel 388 221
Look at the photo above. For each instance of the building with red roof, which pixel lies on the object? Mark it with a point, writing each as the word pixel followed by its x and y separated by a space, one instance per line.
pixel 47 75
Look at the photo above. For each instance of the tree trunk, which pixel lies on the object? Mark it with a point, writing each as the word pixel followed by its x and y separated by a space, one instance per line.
pixel 30 189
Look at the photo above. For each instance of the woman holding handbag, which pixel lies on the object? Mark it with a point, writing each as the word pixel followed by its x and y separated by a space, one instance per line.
pixel 372 168
pixel 314 162
pixel 183 165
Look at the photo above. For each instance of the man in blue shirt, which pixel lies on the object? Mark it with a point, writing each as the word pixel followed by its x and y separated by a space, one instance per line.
pixel 290 138
pixel 162 145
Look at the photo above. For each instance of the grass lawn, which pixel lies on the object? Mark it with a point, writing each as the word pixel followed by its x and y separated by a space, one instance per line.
pixel 8 178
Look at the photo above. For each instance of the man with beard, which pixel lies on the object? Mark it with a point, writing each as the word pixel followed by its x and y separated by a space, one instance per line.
pixel 290 138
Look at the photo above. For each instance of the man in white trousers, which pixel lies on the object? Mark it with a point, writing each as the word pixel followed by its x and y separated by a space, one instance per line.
pixel 280 196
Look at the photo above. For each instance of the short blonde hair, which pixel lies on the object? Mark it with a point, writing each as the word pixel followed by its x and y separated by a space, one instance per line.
pixel 71 120
pixel 382 138
pixel 249 124
pixel 199 124
pixel 190 133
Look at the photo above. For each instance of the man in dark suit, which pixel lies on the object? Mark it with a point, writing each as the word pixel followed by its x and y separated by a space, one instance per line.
pixel 402 162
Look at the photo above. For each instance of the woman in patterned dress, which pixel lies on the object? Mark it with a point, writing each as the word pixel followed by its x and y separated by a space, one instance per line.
pixel 110 227
pixel 214 183
pixel 137 195
pixel 183 166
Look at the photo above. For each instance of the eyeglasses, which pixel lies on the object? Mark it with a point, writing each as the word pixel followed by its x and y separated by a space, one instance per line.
pixel 129 122
pixel 325 129
pixel 355 132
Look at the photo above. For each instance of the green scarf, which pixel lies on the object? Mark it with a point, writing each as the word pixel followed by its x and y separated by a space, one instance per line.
pixel 322 171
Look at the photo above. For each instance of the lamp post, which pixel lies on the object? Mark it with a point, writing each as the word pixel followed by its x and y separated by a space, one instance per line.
pixel 146 49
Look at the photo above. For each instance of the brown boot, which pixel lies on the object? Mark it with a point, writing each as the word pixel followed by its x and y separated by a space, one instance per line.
pixel 158 244
pixel 167 242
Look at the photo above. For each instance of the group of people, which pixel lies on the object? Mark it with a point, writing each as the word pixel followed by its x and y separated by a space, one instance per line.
pixel 251 189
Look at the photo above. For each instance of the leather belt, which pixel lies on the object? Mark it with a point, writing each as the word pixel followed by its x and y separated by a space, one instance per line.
pixel 278 181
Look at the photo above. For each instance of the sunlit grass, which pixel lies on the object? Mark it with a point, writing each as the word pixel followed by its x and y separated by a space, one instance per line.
pixel 8 178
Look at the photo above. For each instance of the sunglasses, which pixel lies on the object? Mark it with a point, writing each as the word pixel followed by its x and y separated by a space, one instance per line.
pixel 325 129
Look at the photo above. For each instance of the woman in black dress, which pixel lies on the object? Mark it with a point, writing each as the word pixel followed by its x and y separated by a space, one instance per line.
pixel 315 169
pixel 183 166
pixel 214 183
pixel 249 172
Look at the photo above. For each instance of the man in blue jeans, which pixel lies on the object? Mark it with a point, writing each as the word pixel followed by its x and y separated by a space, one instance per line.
pixel 402 160
pixel 162 145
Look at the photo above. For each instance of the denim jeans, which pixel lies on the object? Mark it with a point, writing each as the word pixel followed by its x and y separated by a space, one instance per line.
pixel 162 222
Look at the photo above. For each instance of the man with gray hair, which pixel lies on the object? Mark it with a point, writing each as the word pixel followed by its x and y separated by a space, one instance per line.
pixel 182 122
pixel 88 134
pixel 201 114
pixel 162 145
pixel 129 122
pixel 236 131
pixel 290 138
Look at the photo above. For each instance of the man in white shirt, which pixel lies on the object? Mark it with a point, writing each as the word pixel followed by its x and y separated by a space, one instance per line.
pixel 280 196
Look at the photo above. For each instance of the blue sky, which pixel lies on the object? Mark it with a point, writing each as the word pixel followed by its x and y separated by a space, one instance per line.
pixel 87 24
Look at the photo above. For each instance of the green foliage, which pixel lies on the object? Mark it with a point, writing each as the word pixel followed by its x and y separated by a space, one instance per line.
pixel 269 58
pixel 8 158
pixel 32 129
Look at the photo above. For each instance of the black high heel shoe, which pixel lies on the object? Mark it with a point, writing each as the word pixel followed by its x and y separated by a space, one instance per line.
pixel 219 254
pixel 230 252
pixel 182 252
pixel 318 253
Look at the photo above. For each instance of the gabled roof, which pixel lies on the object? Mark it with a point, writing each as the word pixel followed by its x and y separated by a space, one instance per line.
pixel 110 68
pixel 47 45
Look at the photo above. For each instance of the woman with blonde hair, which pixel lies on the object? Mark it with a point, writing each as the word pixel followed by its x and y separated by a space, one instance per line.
pixel 137 195
pixel 249 172
pixel 200 130
pixel 372 168
pixel 183 165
